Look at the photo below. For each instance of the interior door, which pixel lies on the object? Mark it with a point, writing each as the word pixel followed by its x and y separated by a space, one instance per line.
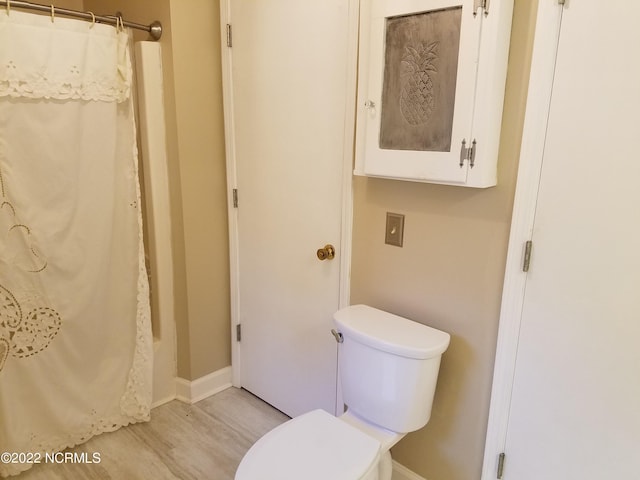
pixel 574 411
pixel 290 95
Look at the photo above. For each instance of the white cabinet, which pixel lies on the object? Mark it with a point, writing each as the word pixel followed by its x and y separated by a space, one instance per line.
pixel 431 79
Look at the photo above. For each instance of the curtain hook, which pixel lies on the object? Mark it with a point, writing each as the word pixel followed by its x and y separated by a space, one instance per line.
pixel 120 27
pixel 53 13
pixel 8 7
pixel 93 19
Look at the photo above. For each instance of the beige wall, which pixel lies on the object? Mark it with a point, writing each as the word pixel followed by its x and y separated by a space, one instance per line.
pixel 200 125
pixel 71 4
pixel 449 275
pixel 195 144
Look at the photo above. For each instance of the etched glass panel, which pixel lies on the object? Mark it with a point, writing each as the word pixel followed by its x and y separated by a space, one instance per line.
pixel 419 87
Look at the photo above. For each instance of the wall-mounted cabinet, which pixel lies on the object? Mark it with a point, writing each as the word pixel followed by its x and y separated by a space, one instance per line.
pixel 431 88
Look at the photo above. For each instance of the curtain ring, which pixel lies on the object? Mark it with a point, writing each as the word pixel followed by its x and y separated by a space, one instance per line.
pixel 53 13
pixel 93 19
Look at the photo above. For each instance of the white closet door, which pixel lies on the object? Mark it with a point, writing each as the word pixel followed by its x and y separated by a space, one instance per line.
pixel 575 410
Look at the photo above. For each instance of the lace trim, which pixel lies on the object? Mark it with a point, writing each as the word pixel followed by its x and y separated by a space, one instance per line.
pixel 67 69
pixel 137 398
pixel 53 445
pixel 38 86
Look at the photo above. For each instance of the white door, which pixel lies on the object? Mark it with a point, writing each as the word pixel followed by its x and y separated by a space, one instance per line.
pixel 291 94
pixel 575 409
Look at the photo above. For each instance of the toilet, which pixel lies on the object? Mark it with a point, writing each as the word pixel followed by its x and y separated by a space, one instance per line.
pixel 388 367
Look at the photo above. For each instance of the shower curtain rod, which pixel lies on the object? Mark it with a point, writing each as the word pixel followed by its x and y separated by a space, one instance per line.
pixel 154 29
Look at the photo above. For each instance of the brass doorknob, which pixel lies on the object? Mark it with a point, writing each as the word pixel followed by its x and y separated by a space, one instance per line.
pixel 326 253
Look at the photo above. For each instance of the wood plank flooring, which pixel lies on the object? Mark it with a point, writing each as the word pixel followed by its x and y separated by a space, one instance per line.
pixel 204 441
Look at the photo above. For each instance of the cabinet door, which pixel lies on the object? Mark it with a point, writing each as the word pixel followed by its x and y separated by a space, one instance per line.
pixel 418 77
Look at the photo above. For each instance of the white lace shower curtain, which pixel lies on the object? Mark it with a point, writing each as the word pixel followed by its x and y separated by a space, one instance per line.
pixel 75 334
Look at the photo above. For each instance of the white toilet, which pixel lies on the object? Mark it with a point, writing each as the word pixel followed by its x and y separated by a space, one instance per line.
pixel 388 367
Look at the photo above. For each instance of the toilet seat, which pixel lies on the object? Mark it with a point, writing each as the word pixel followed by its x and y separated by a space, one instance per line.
pixel 313 446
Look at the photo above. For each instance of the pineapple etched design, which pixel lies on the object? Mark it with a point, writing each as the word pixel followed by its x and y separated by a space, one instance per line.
pixel 417 99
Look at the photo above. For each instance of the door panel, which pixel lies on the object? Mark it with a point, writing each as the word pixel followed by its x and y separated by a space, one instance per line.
pixel 574 411
pixel 453 50
pixel 289 67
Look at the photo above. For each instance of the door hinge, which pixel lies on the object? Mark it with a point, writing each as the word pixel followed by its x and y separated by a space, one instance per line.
pixel 229 37
pixel 468 153
pixel 500 466
pixel 238 332
pixel 526 261
pixel 483 4
pixel 234 194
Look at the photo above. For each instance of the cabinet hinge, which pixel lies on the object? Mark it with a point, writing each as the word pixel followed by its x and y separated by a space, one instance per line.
pixel 468 153
pixel 526 261
pixel 234 194
pixel 229 37
pixel 483 4
pixel 238 332
pixel 500 466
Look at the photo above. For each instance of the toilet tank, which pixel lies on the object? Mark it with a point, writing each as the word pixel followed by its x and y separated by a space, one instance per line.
pixel 388 367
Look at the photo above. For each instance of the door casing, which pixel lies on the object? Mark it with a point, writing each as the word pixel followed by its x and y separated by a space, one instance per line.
pixel 547 33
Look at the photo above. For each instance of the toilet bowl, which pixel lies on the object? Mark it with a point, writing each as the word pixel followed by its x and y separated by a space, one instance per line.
pixel 313 446
pixel 388 368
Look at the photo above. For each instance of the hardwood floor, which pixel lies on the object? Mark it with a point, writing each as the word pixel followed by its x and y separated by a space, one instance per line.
pixel 204 441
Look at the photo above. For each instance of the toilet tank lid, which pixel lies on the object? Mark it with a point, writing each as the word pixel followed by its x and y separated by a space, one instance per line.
pixel 390 333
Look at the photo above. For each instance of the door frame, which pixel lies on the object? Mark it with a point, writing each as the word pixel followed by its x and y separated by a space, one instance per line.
pixel 545 47
pixel 231 161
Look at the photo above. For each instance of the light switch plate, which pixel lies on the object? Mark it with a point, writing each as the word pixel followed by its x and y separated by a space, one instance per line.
pixel 395 229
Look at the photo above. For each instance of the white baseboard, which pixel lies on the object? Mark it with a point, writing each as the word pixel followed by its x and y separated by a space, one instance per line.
pixel 400 472
pixel 203 387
